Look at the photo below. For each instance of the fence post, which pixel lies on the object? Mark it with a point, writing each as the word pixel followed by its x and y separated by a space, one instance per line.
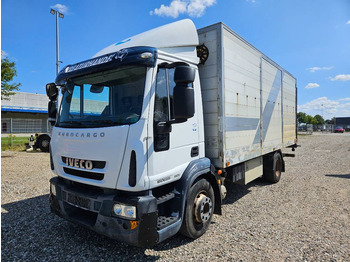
pixel 11 131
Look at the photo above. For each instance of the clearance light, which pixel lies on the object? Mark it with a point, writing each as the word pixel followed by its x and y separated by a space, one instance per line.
pixel 219 172
pixel 227 163
pixel 124 211
pixel 146 55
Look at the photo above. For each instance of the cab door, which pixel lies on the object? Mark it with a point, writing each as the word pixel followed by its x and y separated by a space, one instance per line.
pixel 170 153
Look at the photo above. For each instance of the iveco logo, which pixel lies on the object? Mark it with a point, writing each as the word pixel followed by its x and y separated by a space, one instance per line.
pixel 77 134
pixel 80 163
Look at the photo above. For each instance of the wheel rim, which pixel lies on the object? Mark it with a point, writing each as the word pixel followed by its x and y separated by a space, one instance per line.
pixel 202 208
pixel 45 143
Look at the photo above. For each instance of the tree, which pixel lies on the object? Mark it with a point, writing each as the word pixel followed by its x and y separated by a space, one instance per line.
pixel 309 119
pixel 301 117
pixel 319 119
pixel 8 72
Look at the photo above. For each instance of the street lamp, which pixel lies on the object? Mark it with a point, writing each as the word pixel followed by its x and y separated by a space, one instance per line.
pixel 60 15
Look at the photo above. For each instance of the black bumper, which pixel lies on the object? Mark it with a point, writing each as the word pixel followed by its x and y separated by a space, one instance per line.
pixel 95 211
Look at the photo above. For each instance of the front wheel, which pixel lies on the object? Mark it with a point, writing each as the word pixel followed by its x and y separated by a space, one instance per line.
pixel 199 209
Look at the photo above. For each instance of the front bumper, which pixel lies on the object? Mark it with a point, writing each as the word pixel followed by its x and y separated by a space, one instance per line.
pixel 94 210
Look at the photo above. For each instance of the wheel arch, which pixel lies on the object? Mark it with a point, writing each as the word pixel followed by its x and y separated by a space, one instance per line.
pixel 196 170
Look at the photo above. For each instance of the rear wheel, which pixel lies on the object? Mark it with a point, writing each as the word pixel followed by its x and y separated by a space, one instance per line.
pixel 199 209
pixel 273 168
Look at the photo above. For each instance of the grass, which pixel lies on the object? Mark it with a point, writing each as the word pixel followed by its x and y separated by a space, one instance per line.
pixel 18 143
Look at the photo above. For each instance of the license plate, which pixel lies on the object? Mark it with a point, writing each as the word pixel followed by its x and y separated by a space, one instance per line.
pixel 78 201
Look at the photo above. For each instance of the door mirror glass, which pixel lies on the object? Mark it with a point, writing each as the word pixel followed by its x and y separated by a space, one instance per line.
pixel 183 92
pixel 52 91
pixel 52 110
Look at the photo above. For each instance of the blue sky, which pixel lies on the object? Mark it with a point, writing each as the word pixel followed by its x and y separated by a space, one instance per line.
pixel 309 38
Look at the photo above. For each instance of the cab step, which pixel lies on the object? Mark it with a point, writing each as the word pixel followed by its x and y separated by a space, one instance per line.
pixel 163 222
pixel 165 198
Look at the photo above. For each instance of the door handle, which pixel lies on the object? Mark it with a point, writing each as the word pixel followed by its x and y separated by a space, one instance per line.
pixel 194 151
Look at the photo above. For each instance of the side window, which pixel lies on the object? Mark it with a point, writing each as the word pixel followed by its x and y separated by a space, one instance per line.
pixel 161 110
pixel 161 106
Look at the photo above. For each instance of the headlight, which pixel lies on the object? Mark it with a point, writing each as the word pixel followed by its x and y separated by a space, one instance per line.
pixel 124 211
pixel 53 189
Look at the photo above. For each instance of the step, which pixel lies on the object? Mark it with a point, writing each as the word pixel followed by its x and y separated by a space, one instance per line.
pixel 165 198
pixel 163 222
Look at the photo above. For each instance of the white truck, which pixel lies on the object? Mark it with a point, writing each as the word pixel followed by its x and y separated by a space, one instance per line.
pixel 150 128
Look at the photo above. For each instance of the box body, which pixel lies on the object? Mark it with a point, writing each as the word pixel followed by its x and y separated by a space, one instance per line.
pixel 249 101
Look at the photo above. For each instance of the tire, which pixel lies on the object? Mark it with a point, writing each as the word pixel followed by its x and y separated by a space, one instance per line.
pixel 199 209
pixel 273 168
pixel 43 142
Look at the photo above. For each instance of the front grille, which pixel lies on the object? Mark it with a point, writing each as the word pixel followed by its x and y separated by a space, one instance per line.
pixel 85 174
pixel 95 163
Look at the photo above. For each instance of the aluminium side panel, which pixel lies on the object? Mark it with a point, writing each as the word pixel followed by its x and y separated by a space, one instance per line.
pixel 271 107
pixel 242 99
pixel 289 110
pixel 210 77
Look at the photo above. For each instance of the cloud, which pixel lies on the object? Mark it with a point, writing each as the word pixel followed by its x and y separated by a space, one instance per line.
pixel 329 108
pixel 251 1
pixel 348 22
pixel 60 8
pixel 341 77
pixel 345 99
pixel 312 85
pixel 314 69
pixel 194 8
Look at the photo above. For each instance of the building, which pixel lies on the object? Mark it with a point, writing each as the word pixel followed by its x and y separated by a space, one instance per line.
pixel 344 122
pixel 24 113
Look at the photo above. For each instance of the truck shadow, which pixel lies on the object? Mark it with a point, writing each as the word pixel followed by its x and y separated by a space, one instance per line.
pixel 236 192
pixel 31 232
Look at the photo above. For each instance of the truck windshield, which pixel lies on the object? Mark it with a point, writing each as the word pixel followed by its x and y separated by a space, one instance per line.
pixel 103 99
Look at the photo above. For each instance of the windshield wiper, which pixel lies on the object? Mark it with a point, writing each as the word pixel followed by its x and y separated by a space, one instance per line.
pixel 102 121
pixel 70 123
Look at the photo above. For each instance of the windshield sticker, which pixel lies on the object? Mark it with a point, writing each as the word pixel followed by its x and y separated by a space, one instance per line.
pixel 93 62
pixel 121 54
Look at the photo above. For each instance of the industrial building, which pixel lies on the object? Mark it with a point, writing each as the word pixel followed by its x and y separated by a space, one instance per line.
pixel 24 113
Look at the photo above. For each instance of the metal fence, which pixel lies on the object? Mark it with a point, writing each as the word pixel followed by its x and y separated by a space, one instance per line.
pixel 24 126
pixel 326 128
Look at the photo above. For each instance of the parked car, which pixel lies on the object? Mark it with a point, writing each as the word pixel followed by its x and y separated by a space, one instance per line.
pixel 339 129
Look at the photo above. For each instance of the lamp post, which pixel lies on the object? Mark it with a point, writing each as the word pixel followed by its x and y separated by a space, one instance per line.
pixel 58 15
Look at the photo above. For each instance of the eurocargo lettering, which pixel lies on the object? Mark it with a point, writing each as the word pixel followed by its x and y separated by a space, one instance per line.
pixel 151 128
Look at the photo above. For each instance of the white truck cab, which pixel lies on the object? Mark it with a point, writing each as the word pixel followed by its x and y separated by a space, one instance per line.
pixel 128 144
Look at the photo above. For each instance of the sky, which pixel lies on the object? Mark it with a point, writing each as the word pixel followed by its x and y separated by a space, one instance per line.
pixel 309 38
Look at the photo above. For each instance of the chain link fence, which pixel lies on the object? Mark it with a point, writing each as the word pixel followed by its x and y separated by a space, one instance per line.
pixel 14 126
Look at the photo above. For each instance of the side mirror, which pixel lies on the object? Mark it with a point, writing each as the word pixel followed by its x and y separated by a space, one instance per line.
pixel 52 110
pixel 163 128
pixel 184 93
pixel 52 91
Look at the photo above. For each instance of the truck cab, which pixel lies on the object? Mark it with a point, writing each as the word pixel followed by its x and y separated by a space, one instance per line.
pixel 127 143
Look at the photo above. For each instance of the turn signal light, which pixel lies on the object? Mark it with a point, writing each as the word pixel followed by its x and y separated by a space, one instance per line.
pixel 133 224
